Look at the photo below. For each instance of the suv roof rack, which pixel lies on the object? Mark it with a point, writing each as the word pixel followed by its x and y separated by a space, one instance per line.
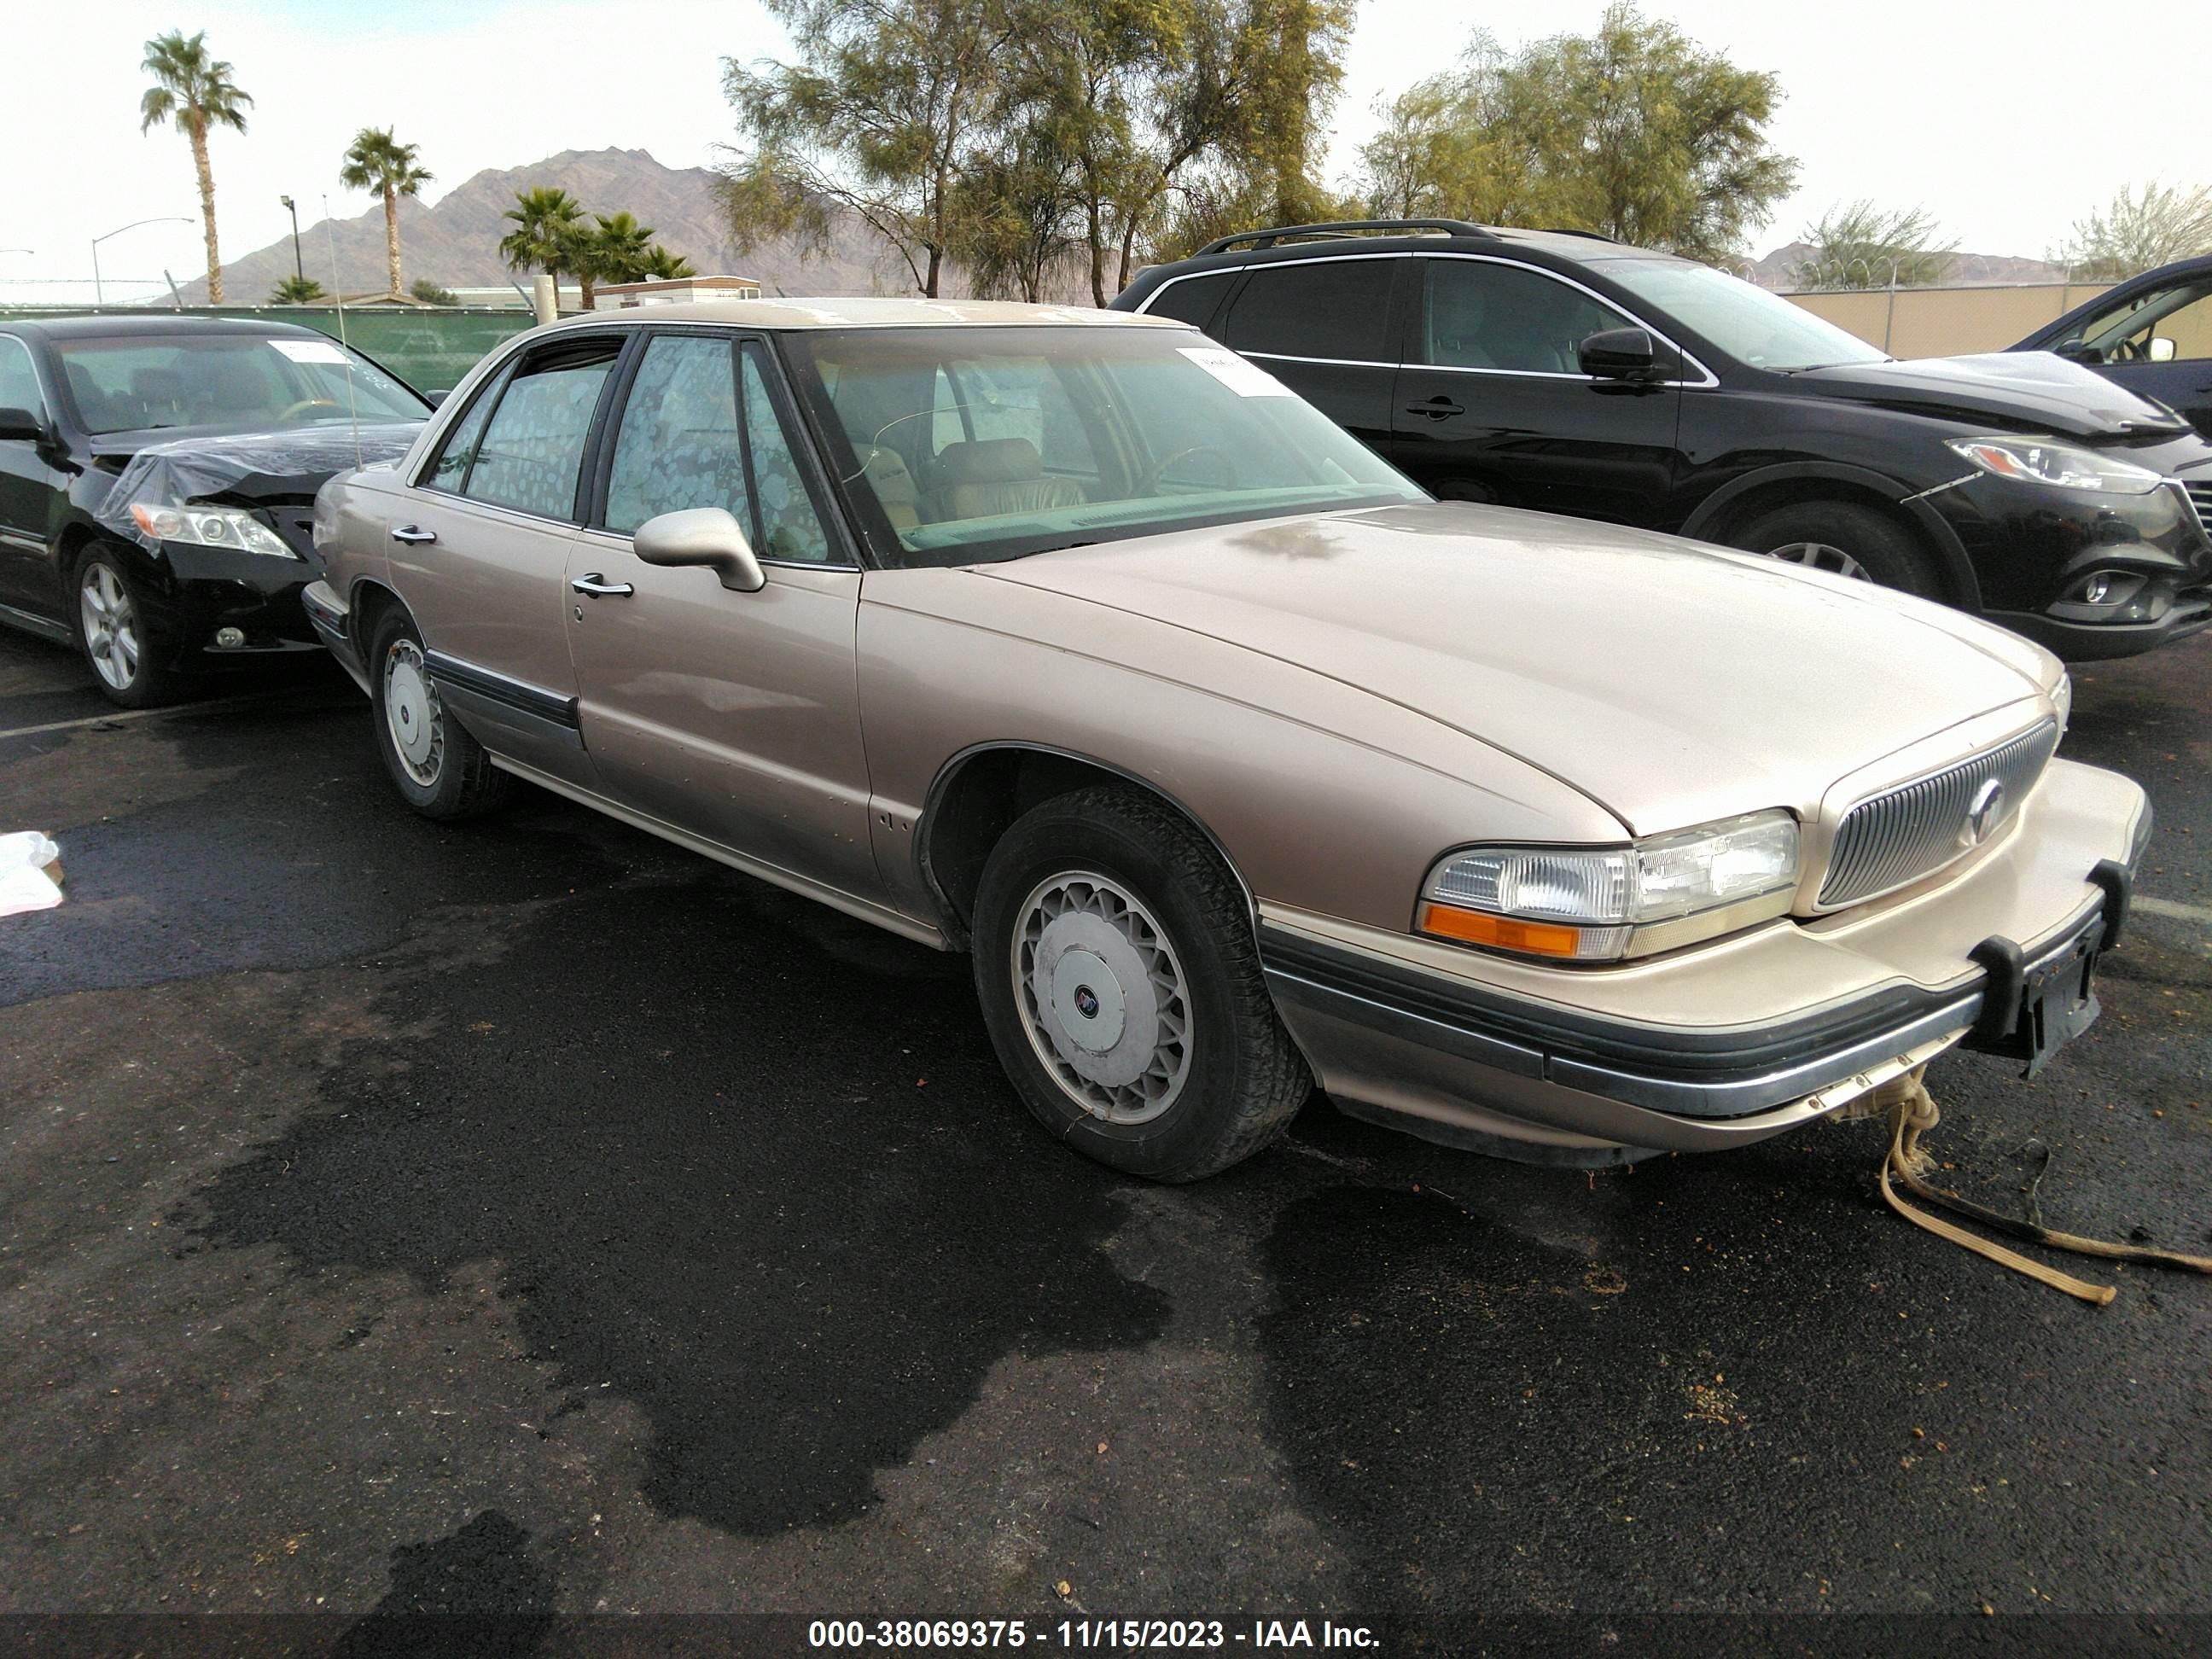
pixel 1260 239
pixel 1594 235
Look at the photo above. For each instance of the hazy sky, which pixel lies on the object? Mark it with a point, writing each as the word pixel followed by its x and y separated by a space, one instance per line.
pixel 2008 120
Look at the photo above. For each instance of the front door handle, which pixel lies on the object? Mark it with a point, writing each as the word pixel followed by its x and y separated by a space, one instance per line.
pixel 410 533
pixel 600 588
pixel 1439 408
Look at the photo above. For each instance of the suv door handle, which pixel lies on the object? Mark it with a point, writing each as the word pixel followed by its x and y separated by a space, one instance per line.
pixel 600 588
pixel 1438 408
pixel 408 532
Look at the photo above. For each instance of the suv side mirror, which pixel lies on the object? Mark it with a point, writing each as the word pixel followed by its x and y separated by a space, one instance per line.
pixel 1620 354
pixel 701 536
pixel 2161 349
pixel 22 425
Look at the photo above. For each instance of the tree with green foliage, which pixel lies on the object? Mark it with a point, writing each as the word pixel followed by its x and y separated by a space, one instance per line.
pixel 297 291
pixel 377 161
pixel 879 116
pixel 428 293
pixel 193 89
pixel 1858 245
pixel 1633 132
pixel 546 221
pixel 614 248
pixel 662 265
pixel 2139 229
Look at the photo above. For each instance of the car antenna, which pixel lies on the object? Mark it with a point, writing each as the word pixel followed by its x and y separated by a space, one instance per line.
pixel 337 289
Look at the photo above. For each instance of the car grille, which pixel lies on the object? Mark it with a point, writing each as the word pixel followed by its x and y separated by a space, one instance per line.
pixel 1920 827
pixel 2199 497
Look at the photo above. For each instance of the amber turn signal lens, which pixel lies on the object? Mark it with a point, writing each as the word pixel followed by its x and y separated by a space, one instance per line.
pixel 1473 928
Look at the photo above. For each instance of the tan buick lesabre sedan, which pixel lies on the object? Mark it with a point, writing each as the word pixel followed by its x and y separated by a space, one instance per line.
pixel 1071 640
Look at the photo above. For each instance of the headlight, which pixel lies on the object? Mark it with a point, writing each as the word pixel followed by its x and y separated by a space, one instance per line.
pixel 1600 903
pixel 2062 700
pixel 2037 460
pixel 210 526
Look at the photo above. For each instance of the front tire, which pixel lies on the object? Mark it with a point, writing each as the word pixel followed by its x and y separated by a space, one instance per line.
pixel 1843 538
pixel 1115 962
pixel 114 635
pixel 438 769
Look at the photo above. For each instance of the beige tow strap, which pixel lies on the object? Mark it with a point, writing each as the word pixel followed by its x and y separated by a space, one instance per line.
pixel 1913 1113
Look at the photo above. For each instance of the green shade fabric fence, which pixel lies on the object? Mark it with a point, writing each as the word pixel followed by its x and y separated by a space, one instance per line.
pixel 430 348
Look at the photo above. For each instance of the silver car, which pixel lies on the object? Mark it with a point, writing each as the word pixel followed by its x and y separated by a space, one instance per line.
pixel 1071 640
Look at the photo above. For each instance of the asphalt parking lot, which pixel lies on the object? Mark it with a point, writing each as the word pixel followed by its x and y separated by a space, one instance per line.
pixel 527 1216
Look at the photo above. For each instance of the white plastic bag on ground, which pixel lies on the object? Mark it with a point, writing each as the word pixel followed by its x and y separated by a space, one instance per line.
pixel 30 872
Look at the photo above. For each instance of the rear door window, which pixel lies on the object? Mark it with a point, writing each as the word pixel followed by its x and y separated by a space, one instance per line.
pixel 532 451
pixel 1192 299
pixel 1336 309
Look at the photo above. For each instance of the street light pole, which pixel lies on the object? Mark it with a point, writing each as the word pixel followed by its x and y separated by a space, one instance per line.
pixel 299 269
pixel 99 294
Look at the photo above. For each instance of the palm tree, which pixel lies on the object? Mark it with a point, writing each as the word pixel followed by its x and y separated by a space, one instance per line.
pixel 380 162
pixel 546 222
pixel 296 291
pixel 664 266
pixel 617 249
pixel 196 92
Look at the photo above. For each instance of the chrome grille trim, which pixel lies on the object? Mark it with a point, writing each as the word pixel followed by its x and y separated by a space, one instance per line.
pixel 2199 497
pixel 1903 834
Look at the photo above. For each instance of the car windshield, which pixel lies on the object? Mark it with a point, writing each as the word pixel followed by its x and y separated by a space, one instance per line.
pixel 1756 328
pixel 964 444
pixel 125 383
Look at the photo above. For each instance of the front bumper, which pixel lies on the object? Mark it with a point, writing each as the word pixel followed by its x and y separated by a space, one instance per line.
pixel 197 591
pixel 1716 1046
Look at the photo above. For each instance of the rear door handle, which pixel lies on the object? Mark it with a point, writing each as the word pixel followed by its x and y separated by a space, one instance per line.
pixel 1438 408
pixel 600 588
pixel 409 532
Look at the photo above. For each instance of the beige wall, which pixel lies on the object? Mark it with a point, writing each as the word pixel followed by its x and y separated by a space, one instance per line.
pixel 1945 322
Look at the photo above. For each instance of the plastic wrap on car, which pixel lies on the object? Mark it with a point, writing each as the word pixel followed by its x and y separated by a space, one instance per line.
pixel 245 469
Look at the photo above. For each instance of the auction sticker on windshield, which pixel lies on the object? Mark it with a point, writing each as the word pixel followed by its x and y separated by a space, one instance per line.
pixel 1246 380
pixel 310 351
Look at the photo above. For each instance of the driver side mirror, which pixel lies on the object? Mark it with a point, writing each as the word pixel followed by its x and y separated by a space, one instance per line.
pixel 2161 349
pixel 706 536
pixel 22 425
pixel 1620 354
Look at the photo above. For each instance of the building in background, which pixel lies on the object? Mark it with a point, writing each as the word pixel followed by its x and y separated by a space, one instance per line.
pixel 622 297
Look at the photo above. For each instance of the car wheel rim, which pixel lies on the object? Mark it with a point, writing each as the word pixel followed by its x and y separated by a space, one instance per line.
pixel 111 626
pixel 1102 997
pixel 1820 556
pixel 412 713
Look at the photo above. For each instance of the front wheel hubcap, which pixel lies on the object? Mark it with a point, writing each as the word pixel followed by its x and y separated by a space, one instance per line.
pixel 111 625
pixel 412 714
pixel 1820 556
pixel 1102 997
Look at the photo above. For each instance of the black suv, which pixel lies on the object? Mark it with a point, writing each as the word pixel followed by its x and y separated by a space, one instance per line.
pixel 1564 371
pixel 157 485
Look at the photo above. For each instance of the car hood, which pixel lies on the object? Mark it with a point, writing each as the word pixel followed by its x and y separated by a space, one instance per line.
pixel 2023 390
pixel 1670 681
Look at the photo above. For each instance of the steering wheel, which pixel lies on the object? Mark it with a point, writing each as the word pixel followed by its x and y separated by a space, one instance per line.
pixel 1158 475
pixel 307 403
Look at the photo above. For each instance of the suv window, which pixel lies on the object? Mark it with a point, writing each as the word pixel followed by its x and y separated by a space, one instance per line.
pixel 1192 299
pixel 1328 308
pixel 2182 315
pixel 1477 314
pixel 533 450
pixel 18 378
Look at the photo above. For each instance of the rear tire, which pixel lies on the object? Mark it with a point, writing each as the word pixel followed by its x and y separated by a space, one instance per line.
pixel 438 769
pixel 1843 538
pixel 114 635
pixel 1115 961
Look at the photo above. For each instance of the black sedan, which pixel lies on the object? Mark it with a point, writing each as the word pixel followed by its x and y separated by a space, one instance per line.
pixel 2152 334
pixel 157 484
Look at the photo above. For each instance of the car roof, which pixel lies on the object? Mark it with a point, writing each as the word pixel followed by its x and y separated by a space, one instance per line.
pixel 1567 246
pixel 92 326
pixel 867 313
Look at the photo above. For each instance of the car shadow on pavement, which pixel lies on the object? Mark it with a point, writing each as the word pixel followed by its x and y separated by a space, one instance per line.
pixel 744 1163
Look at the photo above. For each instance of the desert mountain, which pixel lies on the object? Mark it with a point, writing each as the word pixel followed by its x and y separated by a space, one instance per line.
pixel 455 241
pixel 1778 269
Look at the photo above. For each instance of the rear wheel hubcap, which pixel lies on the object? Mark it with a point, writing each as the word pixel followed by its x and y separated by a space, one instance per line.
pixel 412 713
